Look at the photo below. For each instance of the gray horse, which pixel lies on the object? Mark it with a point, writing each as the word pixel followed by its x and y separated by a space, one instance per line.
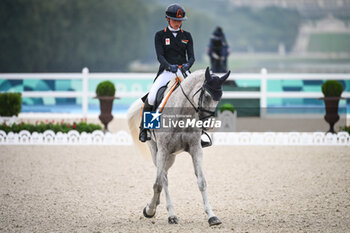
pixel 198 95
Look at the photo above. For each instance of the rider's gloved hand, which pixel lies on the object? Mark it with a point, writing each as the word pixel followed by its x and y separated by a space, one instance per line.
pixel 173 68
pixel 185 67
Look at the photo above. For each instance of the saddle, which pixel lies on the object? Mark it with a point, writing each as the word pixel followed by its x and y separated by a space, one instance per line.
pixel 161 101
pixel 162 97
pixel 164 93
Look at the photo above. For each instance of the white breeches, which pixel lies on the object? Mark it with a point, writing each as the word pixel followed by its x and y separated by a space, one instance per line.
pixel 162 80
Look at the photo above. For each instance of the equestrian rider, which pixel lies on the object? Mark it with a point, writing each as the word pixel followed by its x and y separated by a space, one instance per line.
pixel 172 45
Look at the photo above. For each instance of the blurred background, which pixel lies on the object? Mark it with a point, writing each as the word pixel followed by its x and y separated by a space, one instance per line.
pixel 64 36
pixel 116 35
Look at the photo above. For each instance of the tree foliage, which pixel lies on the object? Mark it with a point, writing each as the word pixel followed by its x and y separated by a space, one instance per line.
pixel 65 35
pixel 258 29
pixel 106 35
pixel 263 29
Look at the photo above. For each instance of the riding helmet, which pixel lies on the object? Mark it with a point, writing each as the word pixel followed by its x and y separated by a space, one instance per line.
pixel 175 12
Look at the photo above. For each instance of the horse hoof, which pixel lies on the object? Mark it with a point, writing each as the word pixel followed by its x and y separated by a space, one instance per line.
pixel 173 220
pixel 214 221
pixel 146 215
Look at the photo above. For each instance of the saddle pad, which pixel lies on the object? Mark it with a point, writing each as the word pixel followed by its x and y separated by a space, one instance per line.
pixel 173 83
pixel 170 87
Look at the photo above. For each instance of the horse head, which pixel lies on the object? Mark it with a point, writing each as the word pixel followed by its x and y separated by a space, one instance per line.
pixel 211 93
pixel 213 84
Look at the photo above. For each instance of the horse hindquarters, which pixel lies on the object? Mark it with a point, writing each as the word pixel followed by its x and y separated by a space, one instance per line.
pixel 134 118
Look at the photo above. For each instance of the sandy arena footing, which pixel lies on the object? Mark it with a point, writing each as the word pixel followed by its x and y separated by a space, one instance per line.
pixel 105 188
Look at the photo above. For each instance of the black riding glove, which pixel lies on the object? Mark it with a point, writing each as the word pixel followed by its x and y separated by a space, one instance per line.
pixel 173 68
pixel 185 67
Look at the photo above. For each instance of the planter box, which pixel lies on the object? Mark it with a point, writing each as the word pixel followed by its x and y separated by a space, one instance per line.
pixel 228 121
pixel 244 107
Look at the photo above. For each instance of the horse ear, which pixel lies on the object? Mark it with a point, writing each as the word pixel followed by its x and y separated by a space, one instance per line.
pixel 207 74
pixel 223 78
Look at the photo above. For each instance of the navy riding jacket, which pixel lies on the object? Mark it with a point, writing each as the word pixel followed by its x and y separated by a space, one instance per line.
pixel 173 50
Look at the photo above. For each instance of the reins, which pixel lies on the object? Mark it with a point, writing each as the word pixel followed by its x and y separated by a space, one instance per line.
pixel 183 92
pixel 200 108
pixel 200 101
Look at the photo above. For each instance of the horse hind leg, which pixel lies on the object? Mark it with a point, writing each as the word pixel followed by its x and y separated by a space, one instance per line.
pixel 152 145
pixel 197 156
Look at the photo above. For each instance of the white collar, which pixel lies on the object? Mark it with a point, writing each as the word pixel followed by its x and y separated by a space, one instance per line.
pixel 173 30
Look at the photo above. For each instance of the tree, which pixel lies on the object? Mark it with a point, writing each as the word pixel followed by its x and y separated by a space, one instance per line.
pixel 64 35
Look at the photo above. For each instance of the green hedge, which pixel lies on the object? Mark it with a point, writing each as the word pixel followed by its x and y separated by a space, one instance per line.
pixel 345 128
pixel 56 127
pixel 227 107
pixel 10 104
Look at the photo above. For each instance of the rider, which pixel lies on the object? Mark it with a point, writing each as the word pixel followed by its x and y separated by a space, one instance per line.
pixel 172 45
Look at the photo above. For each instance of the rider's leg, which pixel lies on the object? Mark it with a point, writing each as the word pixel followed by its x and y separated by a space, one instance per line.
pixel 143 132
pixel 162 79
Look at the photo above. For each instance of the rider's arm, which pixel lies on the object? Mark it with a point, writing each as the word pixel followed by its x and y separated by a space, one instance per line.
pixel 190 53
pixel 160 51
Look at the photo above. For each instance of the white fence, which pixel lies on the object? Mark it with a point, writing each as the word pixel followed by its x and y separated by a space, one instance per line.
pixel 136 91
pixel 73 137
pixel 122 138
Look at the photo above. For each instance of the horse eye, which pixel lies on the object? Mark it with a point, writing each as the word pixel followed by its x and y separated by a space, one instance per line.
pixel 207 97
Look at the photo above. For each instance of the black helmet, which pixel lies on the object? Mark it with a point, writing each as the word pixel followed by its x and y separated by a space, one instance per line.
pixel 175 12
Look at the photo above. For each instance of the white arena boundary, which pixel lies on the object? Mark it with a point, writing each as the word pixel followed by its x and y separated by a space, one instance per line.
pixel 123 138
pixel 137 90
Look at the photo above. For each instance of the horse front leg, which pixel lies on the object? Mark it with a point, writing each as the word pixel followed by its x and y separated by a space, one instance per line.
pixel 172 219
pixel 150 210
pixel 197 157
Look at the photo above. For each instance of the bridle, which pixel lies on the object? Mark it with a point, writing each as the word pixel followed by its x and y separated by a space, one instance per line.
pixel 205 87
pixel 200 108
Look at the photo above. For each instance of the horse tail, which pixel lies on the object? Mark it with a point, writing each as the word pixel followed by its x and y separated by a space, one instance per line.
pixel 134 118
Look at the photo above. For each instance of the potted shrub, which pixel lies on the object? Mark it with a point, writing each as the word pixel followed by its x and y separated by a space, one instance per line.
pixel 10 104
pixel 227 107
pixel 331 90
pixel 105 92
pixel 227 115
pixel 10 107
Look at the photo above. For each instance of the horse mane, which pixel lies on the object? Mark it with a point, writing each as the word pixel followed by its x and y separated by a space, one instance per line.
pixel 193 80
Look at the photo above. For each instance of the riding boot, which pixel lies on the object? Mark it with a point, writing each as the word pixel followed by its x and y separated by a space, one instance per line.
pixel 143 132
